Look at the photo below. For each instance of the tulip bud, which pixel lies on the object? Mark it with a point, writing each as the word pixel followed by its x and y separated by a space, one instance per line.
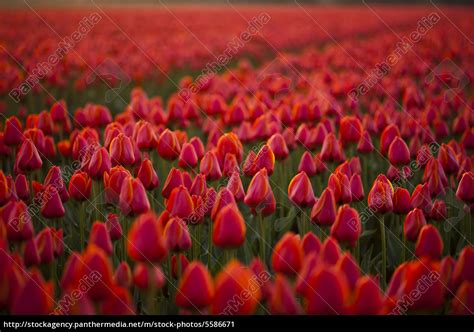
pixel 99 163
pixel 180 203
pixel 145 239
pixel 210 166
pixel 429 243
pixel 283 301
pixel 229 228
pixel 347 227
pixel 80 186
pixel 380 196
pixel 100 237
pixel 398 152
pixel 28 158
pixel 300 190
pixel 114 227
pixel 176 235
pixel 133 198
pixel 368 299
pixel 13 133
pixel 35 297
pixel 324 210
pixel 307 164
pixel 365 143
pixel 142 274
pixel 195 288
pixel 401 201
pixel 357 188
pixel 168 145
pixel 123 275
pixel 278 145
pixel 234 279
pixel 414 221
pixel 288 254
pixel 188 157
pixel 52 207
pixel 311 244
pixel 21 188
pixel 258 189
pixel 465 191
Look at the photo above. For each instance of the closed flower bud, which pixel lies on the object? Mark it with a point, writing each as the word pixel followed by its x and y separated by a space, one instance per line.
pixel 195 288
pixel 133 198
pixel 145 240
pixel 380 196
pixel 465 191
pixel 233 280
pixel 288 254
pixel 99 163
pixel 168 145
pixel 229 228
pixel 188 157
pixel 401 201
pixel 414 221
pixel 174 180
pixel 145 275
pixel 80 186
pixel 324 210
pixel 52 206
pixel 398 152
pixel 147 175
pixel 123 275
pixel 114 227
pixel 300 190
pixel 283 301
pixel 176 235
pixel 429 243
pixel 28 158
pixel 347 227
pixel 100 237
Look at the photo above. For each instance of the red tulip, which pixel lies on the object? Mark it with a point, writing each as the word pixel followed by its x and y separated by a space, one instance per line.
pixel 45 244
pixel 327 292
pixel 31 254
pixel 367 297
pixel 283 301
pixel 347 227
pixel 278 145
pixel 439 211
pixel 195 288
pixel 258 189
pixel 168 145
pixel 100 237
pixel 210 166
pixel 5 189
pixel 398 152
pixel 174 180
pixel 233 280
pixel 176 235
pixel 388 135
pixel 183 264
pixel 114 227
pixel 357 188
pixel 133 198
pixel 229 228
pixel 463 301
pixel 123 275
pixel 365 143
pixel 264 159
pixel 144 136
pixel 380 196
pixel 465 191
pixel 307 164
pixel 52 207
pixel 421 198
pixel 331 149
pixel 145 239
pixel 235 186
pixel 324 210
pixel 338 182
pixel 463 270
pixel 121 151
pixel 288 254
pixel 188 157
pixel 180 203
pixel 99 163
pixel 350 129
pixel 429 243
pixel 36 297
pixel 80 186
pixel 198 146
pixel 113 181
pixel 229 143
pixel 448 159
pixel 347 265
pixel 13 133
pixel 414 221
pixel 300 190
pixel 311 244
pixel 142 274
pixel 147 175
pixel 28 158
pixel 401 201
pixel 21 188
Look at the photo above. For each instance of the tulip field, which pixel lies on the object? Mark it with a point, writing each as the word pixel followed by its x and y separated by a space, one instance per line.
pixel 237 160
